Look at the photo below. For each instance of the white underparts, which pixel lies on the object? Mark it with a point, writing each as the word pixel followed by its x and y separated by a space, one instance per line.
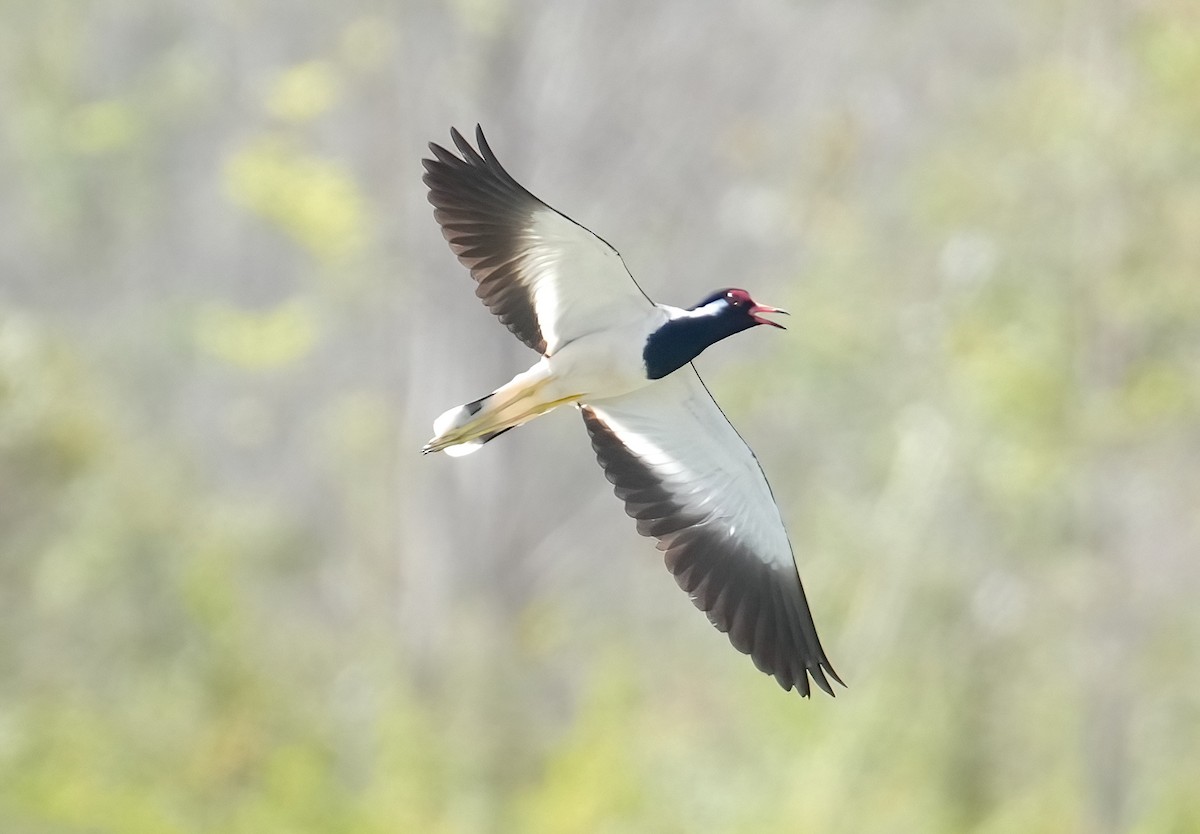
pixel 599 365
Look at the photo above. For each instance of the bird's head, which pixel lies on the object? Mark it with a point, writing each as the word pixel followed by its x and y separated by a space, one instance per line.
pixel 687 333
pixel 738 309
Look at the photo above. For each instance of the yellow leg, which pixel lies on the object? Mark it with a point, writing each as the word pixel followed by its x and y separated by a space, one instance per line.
pixel 511 411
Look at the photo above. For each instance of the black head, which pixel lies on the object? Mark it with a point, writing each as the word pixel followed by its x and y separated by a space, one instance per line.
pixel 719 316
pixel 737 307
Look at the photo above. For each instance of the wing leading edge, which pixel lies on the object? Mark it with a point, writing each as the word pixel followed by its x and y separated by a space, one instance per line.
pixel 692 483
pixel 547 278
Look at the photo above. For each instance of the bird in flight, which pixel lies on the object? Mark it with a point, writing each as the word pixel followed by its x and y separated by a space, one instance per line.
pixel 681 468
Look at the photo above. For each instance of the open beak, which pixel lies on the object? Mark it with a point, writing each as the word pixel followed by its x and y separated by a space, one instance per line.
pixel 762 308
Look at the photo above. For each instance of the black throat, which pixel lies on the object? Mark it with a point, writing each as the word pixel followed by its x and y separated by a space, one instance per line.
pixel 681 340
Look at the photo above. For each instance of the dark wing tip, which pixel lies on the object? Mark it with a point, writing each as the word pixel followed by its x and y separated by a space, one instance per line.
pixel 481 165
pixel 469 154
pixel 483 213
pixel 763 612
pixel 486 150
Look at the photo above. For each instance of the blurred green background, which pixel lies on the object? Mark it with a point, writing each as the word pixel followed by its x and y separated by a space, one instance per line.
pixel 233 597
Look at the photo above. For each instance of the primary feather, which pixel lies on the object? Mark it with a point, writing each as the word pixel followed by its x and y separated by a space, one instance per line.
pixel 681 468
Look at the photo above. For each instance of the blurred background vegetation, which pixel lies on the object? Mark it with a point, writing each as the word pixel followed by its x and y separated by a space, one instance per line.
pixel 233 597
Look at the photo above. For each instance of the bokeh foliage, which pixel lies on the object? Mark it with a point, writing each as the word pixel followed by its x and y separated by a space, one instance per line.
pixel 234 599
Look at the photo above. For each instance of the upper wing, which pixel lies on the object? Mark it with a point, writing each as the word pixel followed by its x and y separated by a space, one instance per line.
pixel 547 278
pixel 691 482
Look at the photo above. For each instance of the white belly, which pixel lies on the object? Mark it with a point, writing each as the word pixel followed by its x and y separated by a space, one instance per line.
pixel 599 365
pixel 604 364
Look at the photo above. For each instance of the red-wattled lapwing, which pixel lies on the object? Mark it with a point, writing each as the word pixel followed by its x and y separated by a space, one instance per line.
pixel 682 470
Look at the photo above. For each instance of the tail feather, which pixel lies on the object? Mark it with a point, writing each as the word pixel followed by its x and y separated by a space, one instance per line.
pixel 465 428
pixel 473 445
pixel 459 416
pixel 452 422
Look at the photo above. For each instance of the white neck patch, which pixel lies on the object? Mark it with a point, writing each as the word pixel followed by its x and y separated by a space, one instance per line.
pixel 712 308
